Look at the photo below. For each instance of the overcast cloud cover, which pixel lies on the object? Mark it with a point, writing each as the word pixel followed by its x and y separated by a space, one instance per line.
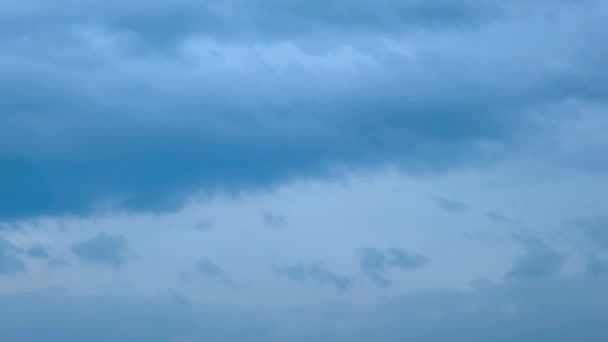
pixel 288 170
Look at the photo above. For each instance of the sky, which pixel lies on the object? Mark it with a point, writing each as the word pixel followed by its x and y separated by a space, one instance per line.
pixel 265 170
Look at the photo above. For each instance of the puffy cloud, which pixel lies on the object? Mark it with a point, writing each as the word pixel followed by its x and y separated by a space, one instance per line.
pixel 112 250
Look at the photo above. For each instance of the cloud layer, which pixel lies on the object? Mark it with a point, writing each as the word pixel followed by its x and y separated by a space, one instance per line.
pixel 142 110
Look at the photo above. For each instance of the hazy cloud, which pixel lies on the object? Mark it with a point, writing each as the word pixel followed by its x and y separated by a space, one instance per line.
pixel 375 263
pixel 275 220
pixel 10 263
pixel 38 252
pixel 451 205
pixel 539 260
pixel 314 272
pixel 112 250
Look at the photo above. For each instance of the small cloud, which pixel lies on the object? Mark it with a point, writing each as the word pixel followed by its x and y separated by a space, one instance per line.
pixel 498 217
pixel 112 250
pixel 209 270
pixel 58 262
pixel 375 263
pixel 9 261
pixel 315 272
pixel 538 261
pixel 371 259
pixel 595 230
pixel 451 205
pixel 397 257
pixel 274 219
pixel 597 266
pixel 38 252
pixel 204 225
pixel 379 280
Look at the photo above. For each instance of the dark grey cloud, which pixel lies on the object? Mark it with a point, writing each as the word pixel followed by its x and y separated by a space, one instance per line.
pixel 90 120
pixel 503 312
pixel 314 272
pixel 112 250
pixel 539 260
pixel 451 205
pixel 375 263
pixel 38 252
pixel 10 263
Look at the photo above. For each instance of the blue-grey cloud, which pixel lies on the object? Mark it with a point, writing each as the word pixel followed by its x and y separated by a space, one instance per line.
pixel 204 225
pixel 90 120
pixel 503 312
pixel 10 263
pixel 375 263
pixel 595 230
pixel 158 24
pixel 539 260
pixel 597 266
pixel 38 252
pixel 451 205
pixel 498 217
pixel 399 258
pixel 315 272
pixel 207 269
pixel 112 250
pixel 275 220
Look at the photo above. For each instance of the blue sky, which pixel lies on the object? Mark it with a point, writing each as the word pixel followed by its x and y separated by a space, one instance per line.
pixel 263 170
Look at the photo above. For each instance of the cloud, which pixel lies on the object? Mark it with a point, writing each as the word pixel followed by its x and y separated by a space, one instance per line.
pixel 207 269
pixel 156 24
pixel 315 272
pixel 597 266
pixel 539 260
pixel 275 220
pixel 595 230
pixel 375 263
pixel 144 108
pixel 204 225
pixel 112 250
pixel 397 257
pixel 505 311
pixel 451 205
pixel 498 217
pixel 38 252
pixel 10 263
